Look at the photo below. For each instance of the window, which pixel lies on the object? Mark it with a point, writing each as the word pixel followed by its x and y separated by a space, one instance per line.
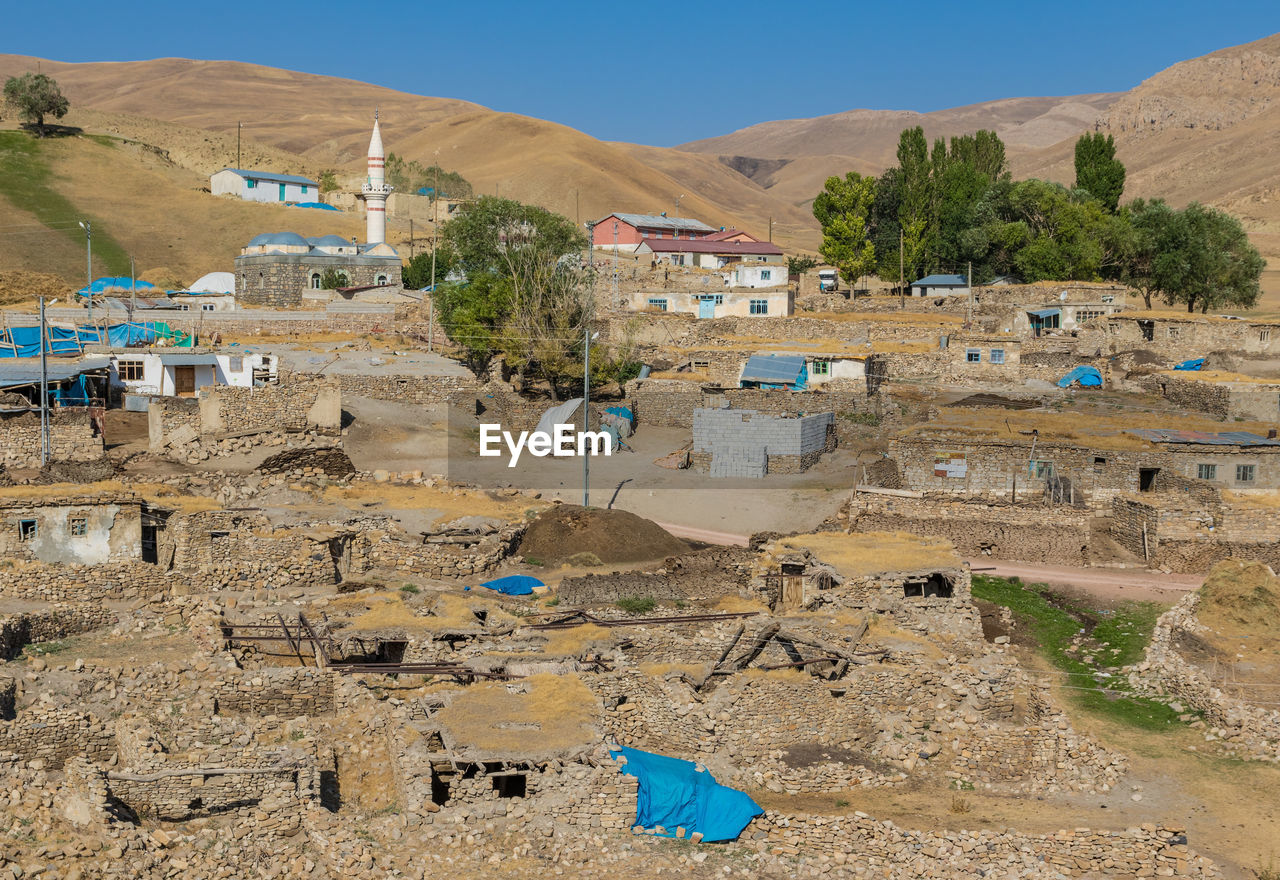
pixel 1173 332
pixel 759 307
pixel 700 366
pixel 382 279
pixel 206 307
pixel 129 371
pixel 315 280
pixel 27 530
pixel 78 526
pixel 659 304
pixel 1042 470
pixel 766 274
pixel 1264 335
pixel 1245 473
pixel 214 536
pixel 235 364
pixel 1099 460
pixel 1206 472
pixel 822 368
pixel 262 281
pixel 997 355
pixel 184 308
pixel 973 355
pixel 304 189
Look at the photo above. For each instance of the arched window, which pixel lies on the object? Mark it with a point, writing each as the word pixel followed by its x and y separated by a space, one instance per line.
pixel 382 279
pixel 262 281
pixel 344 280
pixel 315 280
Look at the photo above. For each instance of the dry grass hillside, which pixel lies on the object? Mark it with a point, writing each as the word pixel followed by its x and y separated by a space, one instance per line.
pixel 303 122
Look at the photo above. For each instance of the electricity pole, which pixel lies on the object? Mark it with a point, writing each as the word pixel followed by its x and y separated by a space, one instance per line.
pixel 902 273
pixel 770 229
pixel 239 125
pixel 586 356
pixel 133 289
pixel 87 226
pixel 970 274
pixel 435 232
pixel 410 239
pixel 44 389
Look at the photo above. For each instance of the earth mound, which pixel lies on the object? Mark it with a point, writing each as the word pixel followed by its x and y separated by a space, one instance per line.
pixel 1241 597
pixel 610 535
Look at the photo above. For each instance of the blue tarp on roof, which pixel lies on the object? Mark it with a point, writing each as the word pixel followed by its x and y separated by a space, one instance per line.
pixel 514 585
pixel 775 369
pixel 277 178
pixel 102 285
pixel 622 411
pixel 65 340
pixel 675 794
pixel 1193 364
pixel 28 373
pixel 1086 376
pixel 1044 313
pixel 321 205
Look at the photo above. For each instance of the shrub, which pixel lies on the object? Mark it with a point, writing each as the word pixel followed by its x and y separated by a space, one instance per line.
pixel 636 605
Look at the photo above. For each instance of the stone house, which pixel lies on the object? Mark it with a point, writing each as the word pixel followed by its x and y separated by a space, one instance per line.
pixel 69 528
pixel 1181 335
pixel 275 269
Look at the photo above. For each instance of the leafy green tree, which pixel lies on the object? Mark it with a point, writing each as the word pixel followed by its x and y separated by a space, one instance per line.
pixel 416 274
pixel 332 279
pixel 527 294
pixel 842 209
pixel 411 176
pixel 328 179
pixel 1205 261
pixel 801 264
pixel 1098 171
pixel 1149 224
pixel 35 96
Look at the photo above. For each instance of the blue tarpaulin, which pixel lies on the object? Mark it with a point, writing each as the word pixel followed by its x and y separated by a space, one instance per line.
pixel 321 205
pixel 676 794
pixel 623 411
pixel 514 585
pixel 1085 376
pixel 1193 364
pixel 65 340
pixel 775 371
pixel 102 285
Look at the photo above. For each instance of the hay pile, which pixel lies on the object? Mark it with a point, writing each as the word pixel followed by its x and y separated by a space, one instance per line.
pixel 544 717
pixel 1241 598
pixel 870 553
pixel 609 535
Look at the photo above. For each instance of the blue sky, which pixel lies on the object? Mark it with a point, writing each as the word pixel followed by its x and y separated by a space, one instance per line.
pixel 668 73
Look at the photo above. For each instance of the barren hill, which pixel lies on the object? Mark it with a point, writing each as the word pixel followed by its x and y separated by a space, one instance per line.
pixel 304 122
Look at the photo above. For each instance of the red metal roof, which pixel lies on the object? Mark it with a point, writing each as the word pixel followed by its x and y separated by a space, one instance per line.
pixel 705 246
pixel 724 234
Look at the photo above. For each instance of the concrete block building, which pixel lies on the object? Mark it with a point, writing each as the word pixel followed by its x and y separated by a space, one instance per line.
pixel 747 443
pixel 262 186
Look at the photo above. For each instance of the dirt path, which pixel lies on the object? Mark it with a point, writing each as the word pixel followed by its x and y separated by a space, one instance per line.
pixel 706 536
pixel 1103 583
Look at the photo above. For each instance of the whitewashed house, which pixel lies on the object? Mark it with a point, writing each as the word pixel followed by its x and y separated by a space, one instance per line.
pixel 182 374
pixel 262 186
pixel 940 285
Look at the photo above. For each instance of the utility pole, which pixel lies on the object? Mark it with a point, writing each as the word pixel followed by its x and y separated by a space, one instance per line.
pixel 902 273
pixel 586 358
pixel 44 390
pixel 770 229
pixel 87 226
pixel 615 263
pixel 133 289
pixel 410 239
pixel 678 198
pixel 239 126
pixel 577 209
pixel 435 233
pixel 970 276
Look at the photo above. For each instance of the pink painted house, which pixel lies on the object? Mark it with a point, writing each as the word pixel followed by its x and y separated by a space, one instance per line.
pixel 633 229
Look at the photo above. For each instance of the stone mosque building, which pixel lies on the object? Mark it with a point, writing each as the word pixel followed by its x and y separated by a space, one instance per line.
pixel 276 268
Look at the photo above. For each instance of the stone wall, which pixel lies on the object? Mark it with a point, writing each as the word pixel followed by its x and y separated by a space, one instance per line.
pixel 420 390
pixel 297 405
pixel 1187 533
pixel 84 583
pixel 284 692
pixel 59 622
pixel 746 443
pixel 55 735
pixel 1028 532
pixel 72 437
pixel 382 551
pixel 707 575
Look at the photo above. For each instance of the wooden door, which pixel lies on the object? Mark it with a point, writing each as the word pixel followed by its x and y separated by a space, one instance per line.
pixel 184 381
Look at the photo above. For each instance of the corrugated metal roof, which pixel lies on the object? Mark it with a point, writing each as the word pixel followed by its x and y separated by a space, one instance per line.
pixel 941 281
pixel 1043 313
pixel 26 371
pixel 1208 438
pixel 187 360
pixel 657 221
pixel 782 369
pixel 278 178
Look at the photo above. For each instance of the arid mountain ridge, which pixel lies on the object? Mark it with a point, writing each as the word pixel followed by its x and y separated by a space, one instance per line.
pixel 1206 129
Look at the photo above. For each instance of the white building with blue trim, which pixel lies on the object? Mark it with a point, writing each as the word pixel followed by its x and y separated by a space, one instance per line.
pixel 262 186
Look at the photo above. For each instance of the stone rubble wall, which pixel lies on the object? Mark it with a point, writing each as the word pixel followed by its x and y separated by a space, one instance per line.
pixel 1246 730
pixel 287 693
pixel 55 735
pixel 19 630
pixel 380 551
pixel 1030 532
pixel 71 438
pixel 1183 533
pixel 283 406
pixel 430 391
pixel 84 583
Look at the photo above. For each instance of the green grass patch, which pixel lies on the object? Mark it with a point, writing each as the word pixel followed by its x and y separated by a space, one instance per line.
pixel 1086 642
pixel 42 649
pixel 25 179
pixel 636 605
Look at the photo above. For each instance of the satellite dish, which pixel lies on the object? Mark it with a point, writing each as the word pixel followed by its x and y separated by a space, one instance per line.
pixel 1063 296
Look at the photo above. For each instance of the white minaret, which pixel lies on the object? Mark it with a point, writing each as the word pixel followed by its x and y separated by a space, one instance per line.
pixel 375 189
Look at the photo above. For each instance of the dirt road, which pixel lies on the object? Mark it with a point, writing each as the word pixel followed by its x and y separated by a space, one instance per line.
pixel 1104 583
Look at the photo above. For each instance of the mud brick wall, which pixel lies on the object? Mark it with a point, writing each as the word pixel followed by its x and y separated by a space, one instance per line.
pixel 55 735
pixel 71 438
pixel 1003 531
pixel 284 692
pixel 20 630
